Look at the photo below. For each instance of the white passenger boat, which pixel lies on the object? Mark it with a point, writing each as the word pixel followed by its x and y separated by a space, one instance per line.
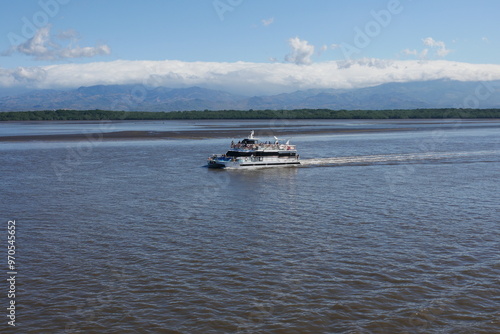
pixel 249 152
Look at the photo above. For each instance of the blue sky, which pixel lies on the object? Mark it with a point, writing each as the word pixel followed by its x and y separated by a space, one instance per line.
pixel 43 43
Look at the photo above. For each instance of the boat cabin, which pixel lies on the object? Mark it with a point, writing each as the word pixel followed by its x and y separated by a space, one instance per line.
pixel 249 141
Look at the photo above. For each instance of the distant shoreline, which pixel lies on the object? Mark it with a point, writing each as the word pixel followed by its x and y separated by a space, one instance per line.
pixel 267 130
pixel 102 115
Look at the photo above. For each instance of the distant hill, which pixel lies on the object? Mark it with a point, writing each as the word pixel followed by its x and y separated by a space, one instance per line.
pixel 410 95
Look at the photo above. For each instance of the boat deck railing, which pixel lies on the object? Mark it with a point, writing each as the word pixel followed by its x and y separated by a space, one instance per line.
pixel 262 147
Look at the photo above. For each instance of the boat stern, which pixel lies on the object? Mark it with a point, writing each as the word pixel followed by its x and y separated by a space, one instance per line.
pixel 216 161
pixel 215 164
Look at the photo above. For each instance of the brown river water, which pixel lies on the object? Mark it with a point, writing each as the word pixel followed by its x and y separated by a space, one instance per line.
pixel 376 231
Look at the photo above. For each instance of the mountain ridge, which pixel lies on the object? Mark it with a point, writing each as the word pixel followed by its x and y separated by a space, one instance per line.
pixel 409 95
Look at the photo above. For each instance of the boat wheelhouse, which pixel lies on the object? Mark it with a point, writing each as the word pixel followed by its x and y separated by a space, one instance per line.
pixel 250 152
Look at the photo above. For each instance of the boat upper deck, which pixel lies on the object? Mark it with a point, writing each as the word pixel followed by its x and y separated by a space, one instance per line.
pixel 265 146
pixel 252 144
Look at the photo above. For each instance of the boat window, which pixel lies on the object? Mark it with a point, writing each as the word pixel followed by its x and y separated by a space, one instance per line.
pixel 238 154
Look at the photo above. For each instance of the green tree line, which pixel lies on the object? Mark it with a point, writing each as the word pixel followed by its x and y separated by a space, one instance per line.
pixel 96 115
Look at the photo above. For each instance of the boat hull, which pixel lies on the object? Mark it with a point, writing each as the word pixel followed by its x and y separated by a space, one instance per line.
pixel 249 164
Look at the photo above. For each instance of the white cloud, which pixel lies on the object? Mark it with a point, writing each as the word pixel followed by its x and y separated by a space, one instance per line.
pixel 421 55
pixel 42 47
pixel 244 77
pixel 78 52
pixel 429 41
pixel 431 44
pixel 69 34
pixel 301 51
pixel 22 76
pixel 267 22
pixel 38 45
pixel 322 49
pixel 409 52
pixel 29 74
pixel 442 51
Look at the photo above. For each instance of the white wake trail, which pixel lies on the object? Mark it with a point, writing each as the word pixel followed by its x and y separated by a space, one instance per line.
pixel 394 158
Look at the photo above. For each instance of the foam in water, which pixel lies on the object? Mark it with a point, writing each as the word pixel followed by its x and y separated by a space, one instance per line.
pixel 393 158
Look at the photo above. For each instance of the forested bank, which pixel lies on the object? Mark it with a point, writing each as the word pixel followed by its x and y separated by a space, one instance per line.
pixel 89 115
